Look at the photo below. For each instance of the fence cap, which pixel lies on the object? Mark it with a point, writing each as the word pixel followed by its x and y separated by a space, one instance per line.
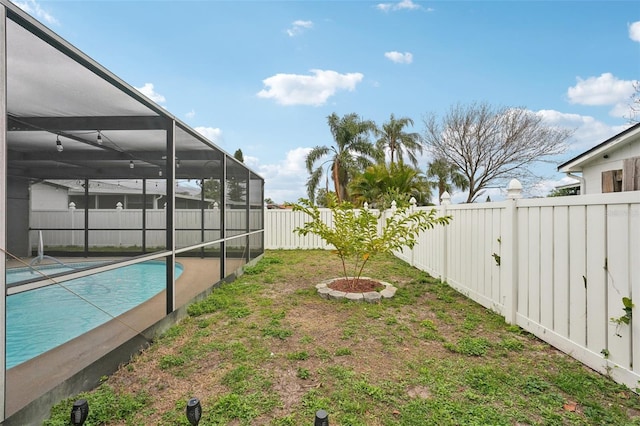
pixel 514 189
pixel 446 199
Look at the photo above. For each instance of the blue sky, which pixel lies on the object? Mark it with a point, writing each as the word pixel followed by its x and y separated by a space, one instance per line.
pixel 263 76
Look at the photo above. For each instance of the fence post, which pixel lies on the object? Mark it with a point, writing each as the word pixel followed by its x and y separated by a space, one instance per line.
pixel 119 210
pixel 509 254
pixel 413 202
pixel 72 210
pixel 446 200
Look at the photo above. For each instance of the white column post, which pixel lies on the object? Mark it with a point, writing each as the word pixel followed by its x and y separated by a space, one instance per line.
pixel 509 254
pixel 72 210
pixel 119 210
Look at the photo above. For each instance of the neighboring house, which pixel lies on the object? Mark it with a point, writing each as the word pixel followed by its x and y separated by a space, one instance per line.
pixel 57 194
pixel 612 166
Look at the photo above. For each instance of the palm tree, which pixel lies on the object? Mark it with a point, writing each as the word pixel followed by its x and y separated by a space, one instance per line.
pixel 392 137
pixel 380 184
pixel 447 176
pixel 369 185
pixel 410 182
pixel 350 153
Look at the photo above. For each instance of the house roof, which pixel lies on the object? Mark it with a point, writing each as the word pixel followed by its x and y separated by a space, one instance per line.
pixel 615 142
pixel 153 187
pixel 55 91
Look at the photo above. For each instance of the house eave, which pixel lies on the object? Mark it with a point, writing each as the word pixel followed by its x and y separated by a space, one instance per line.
pixel 577 163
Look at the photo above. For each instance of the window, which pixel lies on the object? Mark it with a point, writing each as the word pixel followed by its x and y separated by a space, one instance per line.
pixel 612 181
pixel 625 179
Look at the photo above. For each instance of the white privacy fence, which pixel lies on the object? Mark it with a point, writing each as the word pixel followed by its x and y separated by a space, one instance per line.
pixel 557 267
pixel 123 227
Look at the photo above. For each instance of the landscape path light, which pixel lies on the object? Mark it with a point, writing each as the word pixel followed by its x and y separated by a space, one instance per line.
pixel 79 412
pixel 194 411
pixel 322 418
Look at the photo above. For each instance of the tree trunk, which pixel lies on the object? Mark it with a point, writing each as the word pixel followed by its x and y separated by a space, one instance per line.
pixel 336 182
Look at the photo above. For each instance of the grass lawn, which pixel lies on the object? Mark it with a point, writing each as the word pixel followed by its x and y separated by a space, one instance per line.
pixel 267 350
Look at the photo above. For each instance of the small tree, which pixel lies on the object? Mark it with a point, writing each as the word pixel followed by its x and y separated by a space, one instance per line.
pixel 354 233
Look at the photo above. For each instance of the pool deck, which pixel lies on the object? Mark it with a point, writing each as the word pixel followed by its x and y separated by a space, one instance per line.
pixel 32 379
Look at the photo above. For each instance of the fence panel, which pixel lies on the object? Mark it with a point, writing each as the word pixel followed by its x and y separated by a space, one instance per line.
pixel 596 278
pixel 429 253
pixel 473 241
pixel 577 275
pixel 618 283
pixel 547 281
pixel 560 294
pixel 279 228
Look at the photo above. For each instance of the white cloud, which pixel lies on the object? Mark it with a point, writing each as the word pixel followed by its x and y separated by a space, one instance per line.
pixel 286 180
pixel 150 93
pixel 622 110
pixel 214 134
pixel 190 114
pixel 399 58
pixel 294 89
pixel 603 90
pixel 401 5
pixel 588 131
pixel 33 8
pixel 634 31
pixel 298 27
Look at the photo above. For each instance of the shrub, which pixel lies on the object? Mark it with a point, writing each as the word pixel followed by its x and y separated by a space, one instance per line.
pixel 355 236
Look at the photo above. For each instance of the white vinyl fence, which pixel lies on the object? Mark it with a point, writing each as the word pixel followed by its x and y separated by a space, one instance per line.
pixel 557 267
pixel 125 226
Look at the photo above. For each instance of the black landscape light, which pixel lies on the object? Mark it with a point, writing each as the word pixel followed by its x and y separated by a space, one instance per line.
pixel 194 411
pixel 79 412
pixel 322 418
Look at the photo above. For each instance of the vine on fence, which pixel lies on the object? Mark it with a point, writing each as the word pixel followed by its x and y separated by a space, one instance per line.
pixel 627 307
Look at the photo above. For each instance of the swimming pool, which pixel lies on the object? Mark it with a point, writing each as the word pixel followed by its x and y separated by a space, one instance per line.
pixel 39 320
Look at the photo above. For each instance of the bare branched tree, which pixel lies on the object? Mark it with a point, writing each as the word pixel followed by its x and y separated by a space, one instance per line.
pixel 634 104
pixel 490 145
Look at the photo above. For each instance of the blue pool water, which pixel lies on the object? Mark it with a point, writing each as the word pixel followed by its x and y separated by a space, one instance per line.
pixel 39 320
pixel 40 271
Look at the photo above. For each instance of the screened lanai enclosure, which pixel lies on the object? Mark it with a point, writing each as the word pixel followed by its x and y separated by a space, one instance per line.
pixel 115 216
